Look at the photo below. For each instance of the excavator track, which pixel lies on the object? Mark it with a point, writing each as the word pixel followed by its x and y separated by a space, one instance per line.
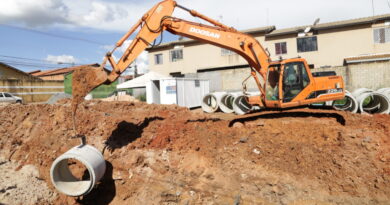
pixel 298 112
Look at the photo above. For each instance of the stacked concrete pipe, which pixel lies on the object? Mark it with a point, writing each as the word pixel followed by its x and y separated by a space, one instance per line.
pixel 241 106
pixel 378 104
pixel 210 102
pixel 350 104
pixel 226 102
pixel 385 91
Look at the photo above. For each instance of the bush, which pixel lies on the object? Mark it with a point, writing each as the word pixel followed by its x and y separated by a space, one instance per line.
pixel 142 97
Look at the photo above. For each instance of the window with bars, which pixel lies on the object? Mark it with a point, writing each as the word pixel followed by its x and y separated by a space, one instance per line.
pixel 382 35
pixel 176 55
pixel 158 59
pixel 281 48
pixel 307 44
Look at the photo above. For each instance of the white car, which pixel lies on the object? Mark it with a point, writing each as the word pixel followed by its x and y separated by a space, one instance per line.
pixel 9 98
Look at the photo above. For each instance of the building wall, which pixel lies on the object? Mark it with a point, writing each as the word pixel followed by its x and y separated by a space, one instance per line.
pixel 229 80
pixel 8 73
pixel 195 57
pixel 333 46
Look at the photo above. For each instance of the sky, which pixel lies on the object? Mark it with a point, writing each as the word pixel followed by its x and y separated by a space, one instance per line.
pixel 47 34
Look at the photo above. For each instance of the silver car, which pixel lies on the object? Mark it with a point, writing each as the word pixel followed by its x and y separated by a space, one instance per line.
pixel 9 98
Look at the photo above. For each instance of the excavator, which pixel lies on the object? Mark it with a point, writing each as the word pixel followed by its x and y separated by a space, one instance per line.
pixel 284 83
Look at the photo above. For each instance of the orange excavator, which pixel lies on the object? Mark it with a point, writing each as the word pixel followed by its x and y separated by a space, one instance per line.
pixel 282 84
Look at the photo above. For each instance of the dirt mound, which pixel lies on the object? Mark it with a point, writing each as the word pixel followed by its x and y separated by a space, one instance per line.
pixel 170 155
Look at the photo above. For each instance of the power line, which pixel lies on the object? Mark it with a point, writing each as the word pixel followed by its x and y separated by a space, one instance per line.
pixel 30 59
pixel 35 63
pixel 52 34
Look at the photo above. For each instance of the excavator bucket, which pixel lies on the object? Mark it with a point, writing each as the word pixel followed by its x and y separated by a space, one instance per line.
pixel 85 79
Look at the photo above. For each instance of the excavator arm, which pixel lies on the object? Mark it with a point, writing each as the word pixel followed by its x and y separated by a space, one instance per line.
pixel 159 19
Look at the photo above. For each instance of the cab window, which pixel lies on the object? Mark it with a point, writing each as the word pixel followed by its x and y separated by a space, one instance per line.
pixel 272 88
pixel 295 79
pixel 7 95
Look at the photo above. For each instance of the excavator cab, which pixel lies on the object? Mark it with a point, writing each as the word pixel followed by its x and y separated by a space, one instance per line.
pixel 295 79
pixel 290 83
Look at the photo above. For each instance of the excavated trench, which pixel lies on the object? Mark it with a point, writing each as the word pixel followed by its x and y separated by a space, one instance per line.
pixel 159 154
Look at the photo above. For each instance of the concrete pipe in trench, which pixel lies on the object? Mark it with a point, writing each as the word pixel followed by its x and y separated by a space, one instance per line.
pixel 62 177
pixel 210 102
pixel 350 104
pixel 373 103
pixel 226 102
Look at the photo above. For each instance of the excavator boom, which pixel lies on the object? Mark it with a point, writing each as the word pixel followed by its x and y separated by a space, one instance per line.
pixel 159 19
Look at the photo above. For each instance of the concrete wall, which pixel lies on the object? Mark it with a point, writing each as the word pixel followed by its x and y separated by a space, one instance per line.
pixel 228 80
pixel 32 90
pixel 373 75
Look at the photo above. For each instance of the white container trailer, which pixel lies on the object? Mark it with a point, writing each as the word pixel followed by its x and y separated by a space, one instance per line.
pixel 186 92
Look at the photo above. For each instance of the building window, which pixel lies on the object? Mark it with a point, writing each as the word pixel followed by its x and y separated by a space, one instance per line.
pixel 226 52
pixel 158 59
pixel 307 44
pixel 281 48
pixel 197 83
pixel 382 35
pixel 176 55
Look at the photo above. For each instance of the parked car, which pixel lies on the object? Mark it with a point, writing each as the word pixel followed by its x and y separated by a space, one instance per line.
pixel 9 98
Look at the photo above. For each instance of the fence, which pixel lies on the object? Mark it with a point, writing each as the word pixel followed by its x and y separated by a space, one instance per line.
pixel 31 90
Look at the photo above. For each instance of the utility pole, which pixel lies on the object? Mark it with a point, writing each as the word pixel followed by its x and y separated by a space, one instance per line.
pixel 373 9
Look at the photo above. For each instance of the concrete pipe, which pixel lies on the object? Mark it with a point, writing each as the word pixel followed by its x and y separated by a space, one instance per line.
pixel 384 91
pixel 210 102
pixel 350 103
pixel 241 106
pixel 226 102
pixel 373 103
pixel 62 177
pixel 356 93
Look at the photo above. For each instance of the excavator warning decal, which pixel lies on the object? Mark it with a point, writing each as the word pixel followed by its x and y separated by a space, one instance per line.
pixel 204 32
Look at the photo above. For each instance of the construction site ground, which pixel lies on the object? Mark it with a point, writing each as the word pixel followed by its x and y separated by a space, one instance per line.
pixel 165 154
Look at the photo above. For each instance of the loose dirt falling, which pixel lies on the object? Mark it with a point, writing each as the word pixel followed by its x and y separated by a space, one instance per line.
pixel 85 79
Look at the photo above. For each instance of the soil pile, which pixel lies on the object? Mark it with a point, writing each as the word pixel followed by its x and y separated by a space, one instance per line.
pixel 170 155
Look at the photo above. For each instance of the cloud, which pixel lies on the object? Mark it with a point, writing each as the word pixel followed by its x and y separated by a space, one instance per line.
pixel 121 15
pixel 61 59
pixel 33 12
